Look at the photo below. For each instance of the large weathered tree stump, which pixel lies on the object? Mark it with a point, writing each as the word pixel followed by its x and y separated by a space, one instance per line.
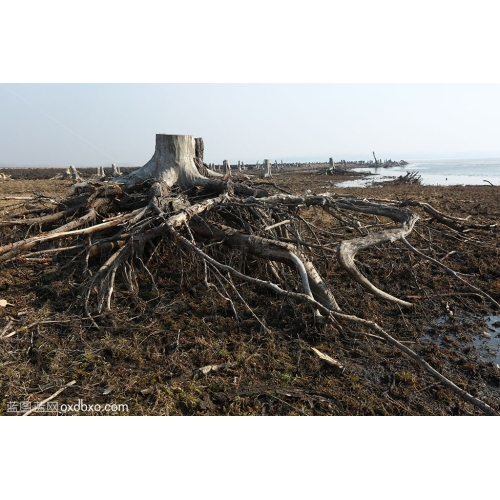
pixel 172 162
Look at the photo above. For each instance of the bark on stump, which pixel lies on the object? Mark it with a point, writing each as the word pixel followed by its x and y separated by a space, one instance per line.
pixel 199 147
pixel 172 162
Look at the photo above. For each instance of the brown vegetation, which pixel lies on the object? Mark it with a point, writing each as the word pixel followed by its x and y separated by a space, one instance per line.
pixel 185 337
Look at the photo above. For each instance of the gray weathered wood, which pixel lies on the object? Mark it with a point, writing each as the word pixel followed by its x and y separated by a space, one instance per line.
pixel 226 167
pixel 267 170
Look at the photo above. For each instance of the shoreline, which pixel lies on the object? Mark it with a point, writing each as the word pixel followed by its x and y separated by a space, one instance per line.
pixel 354 179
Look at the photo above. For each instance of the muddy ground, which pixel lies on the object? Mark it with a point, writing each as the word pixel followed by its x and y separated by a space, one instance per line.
pixel 147 353
pixel 46 173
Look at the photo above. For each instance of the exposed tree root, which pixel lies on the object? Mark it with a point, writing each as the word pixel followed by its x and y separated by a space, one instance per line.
pixel 339 316
pixel 109 225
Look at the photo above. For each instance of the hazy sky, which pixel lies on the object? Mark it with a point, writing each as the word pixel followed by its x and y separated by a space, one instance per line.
pixel 100 124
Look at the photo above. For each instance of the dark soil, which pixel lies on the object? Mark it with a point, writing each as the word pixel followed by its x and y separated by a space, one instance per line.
pixel 43 173
pixel 147 353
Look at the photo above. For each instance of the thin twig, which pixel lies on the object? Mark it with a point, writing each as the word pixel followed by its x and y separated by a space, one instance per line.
pixel 69 384
pixel 450 271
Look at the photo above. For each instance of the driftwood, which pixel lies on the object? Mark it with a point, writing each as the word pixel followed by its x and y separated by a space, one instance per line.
pixel 409 178
pixel 327 359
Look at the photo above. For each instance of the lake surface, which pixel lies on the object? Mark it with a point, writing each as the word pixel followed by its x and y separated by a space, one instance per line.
pixel 451 172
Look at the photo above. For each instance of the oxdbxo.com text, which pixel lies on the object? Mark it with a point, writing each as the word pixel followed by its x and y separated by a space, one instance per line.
pixel 80 406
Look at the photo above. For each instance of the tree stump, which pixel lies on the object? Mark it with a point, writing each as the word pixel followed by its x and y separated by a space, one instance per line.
pixel 226 167
pixel 267 169
pixel 172 162
pixel 73 173
pixel 115 171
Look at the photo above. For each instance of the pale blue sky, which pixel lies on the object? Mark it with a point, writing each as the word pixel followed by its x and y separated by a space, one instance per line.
pixel 97 124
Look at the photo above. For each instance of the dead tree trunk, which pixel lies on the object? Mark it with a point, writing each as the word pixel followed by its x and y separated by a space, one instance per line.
pixel 203 168
pixel 226 167
pixel 73 173
pixel 331 166
pixel 172 163
pixel 267 170
pixel 115 171
pixel 199 147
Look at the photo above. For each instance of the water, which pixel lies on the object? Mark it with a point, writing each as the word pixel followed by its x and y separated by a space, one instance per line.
pixel 451 172
pixel 487 343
